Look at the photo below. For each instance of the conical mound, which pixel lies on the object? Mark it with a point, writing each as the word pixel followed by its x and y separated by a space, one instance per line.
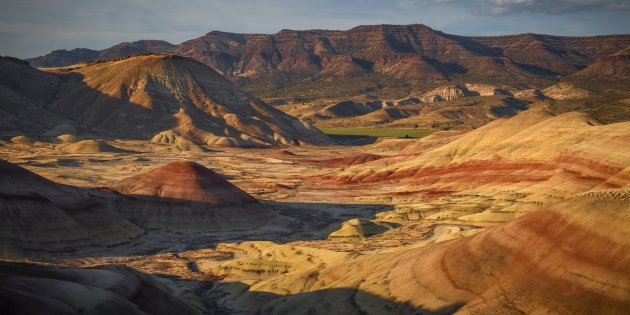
pixel 141 96
pixel 187 195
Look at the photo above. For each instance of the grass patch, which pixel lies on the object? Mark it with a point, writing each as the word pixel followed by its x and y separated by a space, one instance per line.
pixel 376 132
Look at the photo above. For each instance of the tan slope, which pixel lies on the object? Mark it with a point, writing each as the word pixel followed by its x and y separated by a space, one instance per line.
pixel 187 196
pixel 90 146
pixel 173 139
pixel 139 97
pixel 502 170
pixel 565 91
pixel 528 137
pixel 568 258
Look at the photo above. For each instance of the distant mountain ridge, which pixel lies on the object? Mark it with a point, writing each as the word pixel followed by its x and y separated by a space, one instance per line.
pixel 413 51
pixel 63 57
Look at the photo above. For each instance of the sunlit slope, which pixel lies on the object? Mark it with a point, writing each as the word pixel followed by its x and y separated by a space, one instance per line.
pixel 567 258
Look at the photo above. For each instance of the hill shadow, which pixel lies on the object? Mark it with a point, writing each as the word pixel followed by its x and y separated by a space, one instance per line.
pixel 289 221
pixel 35 289
pixel 122 116
pixel 159 224
pixel 292 221
pixel 28 288
pixel 108 115
pixel 330 301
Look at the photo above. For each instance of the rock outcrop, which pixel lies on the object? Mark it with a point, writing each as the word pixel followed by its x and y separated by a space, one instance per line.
pixel 448 93
pixel 565 91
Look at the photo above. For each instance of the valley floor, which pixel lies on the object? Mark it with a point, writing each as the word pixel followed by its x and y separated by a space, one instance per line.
pixel 358 229
pixel 285 179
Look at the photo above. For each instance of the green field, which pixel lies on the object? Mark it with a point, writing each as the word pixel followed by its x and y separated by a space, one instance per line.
pixel 376 132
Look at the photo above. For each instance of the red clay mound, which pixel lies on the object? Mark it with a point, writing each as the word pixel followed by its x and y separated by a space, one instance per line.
pixel 185 181
pixel 188 195
pixel 354 160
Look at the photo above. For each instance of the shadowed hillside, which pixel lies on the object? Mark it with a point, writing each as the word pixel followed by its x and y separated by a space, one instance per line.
pixel 142 97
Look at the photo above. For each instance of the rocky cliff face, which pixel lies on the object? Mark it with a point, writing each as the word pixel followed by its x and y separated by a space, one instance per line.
pixel 403 51
pixel 447 93
pixel 615 66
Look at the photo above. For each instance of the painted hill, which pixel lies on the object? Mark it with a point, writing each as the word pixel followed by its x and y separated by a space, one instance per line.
pixel 41 218
pixel 186 195
pixel 502 170
pixel 558 259
pixel 141 96
pixel 532 135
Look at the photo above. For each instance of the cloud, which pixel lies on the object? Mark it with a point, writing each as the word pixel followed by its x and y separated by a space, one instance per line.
pixel 557 6
pixel 507 7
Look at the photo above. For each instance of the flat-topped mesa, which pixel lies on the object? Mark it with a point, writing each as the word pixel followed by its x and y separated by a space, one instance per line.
pixel 186 195
pixel 410 51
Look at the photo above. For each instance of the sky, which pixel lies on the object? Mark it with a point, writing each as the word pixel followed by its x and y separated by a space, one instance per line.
pixel 30 28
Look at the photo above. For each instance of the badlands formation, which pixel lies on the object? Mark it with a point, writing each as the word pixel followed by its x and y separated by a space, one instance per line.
pixel 527 214
pixel 186 195
pixel 152 185
pixel 158 97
